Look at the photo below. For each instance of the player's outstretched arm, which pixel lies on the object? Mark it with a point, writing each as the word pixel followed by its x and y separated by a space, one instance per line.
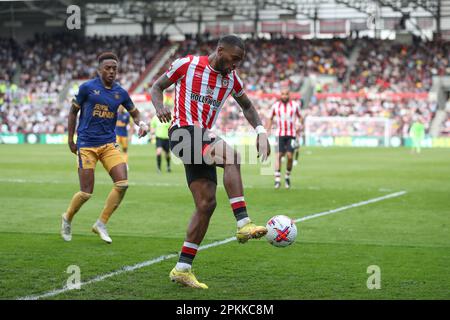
pixel 269 124
pixel 250 113
pixel 301 122
pixel 131 126
pixel 143 127
pixel 72 123
pixel 157 92
pixel 300 127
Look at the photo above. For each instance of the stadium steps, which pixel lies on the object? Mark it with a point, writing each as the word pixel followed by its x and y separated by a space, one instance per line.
pixel 153 67
pixel 307 91
pixel 437 122
pixel 351 61
pixel 438 90
pixel 63 95
pixel 16 77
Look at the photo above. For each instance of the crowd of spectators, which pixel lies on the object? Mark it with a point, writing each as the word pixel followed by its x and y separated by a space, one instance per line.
pixel 43 66
pixel 20 113
pixel 383 65
pixel 48 62
pixel 270 63
pixel 401 112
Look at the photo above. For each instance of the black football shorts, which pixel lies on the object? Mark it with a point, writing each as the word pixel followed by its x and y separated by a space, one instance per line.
pixel 162 143
pixel 285 144
pixel 189 143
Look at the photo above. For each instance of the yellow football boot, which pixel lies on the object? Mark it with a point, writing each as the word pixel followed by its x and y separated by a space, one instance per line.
pixel 186 278
pixel 250 231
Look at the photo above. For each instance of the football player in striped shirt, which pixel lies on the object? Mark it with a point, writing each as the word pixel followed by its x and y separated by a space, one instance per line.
pixel 287 112
pixel 202 84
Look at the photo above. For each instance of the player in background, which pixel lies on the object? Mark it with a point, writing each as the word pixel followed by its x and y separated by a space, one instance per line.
pixel 161 132
pixel 122 133
pixel 417 134
pixel 287 113
pixel 98 101
pixel 203 83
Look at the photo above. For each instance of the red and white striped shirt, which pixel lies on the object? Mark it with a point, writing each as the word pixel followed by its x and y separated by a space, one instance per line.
pixel 287 115
pixel 200 91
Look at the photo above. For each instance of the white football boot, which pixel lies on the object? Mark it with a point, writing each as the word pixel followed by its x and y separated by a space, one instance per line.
pixel 100 229
pixel 66 228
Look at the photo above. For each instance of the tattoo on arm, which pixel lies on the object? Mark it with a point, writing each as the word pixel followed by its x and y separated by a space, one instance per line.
pixel 157 91
pixel 72 121
pixel 136 116
pixel 249 110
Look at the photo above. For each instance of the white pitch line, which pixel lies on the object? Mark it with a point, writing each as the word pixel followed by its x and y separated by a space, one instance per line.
pixel 102 277
pixel 204 247
pixel 131 183
pixel 150 184
pixel 354 205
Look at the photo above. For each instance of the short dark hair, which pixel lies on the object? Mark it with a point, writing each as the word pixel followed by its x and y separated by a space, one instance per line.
pixel 233 40
pixel 107 56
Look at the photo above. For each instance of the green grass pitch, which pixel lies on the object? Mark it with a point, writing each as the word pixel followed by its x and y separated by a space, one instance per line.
pixel 408 236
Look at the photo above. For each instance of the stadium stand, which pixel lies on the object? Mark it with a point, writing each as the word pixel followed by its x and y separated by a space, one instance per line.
pixel 380 68
pixel 44 65
pixel 383 65
pixel 446 127
pixel 268 63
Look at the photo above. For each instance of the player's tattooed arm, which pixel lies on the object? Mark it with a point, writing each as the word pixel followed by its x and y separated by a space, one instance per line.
pixel 157 92
pixel 249 110
pixel 143 127
pixel 250 113
pixel 300 126
pixel 131 126
pixel 269 123
pixel 72 123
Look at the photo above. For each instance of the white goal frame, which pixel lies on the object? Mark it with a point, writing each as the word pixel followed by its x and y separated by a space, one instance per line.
pixel 310 120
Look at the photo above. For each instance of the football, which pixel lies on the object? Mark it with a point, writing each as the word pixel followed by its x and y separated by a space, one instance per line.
pixel 281 231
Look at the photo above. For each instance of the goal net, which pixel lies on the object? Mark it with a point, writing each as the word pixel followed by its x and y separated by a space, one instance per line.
pixel 347 131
